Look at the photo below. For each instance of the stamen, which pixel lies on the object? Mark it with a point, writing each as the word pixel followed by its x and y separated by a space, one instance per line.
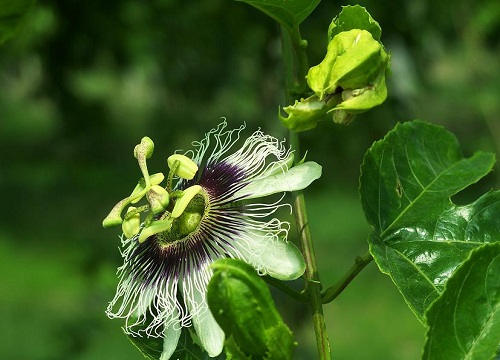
pixel 182 166
pixel 132 224
pixel 182 202
pixel 155 227
pixel 159 198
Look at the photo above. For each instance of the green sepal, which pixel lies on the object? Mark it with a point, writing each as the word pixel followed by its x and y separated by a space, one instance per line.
pixel 354 17
pixel 242 305
pixel 305 114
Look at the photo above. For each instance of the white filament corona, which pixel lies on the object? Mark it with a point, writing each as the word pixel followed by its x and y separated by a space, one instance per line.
pixel 163 284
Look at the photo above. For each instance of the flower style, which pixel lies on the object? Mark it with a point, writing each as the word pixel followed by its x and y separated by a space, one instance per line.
pixel 205 216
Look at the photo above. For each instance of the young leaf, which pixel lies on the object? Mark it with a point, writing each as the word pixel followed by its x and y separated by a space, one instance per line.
pixel 464 322
pixel 354 17
pixel 12 16
pixel 419 235
pixel 288 13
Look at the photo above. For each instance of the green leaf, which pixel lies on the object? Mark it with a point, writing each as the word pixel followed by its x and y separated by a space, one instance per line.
pixel 152 348
pixel 420 237
pixel 289 13
pixel 12 16
pixel 242 305
pixel 464 322
pixel 354 17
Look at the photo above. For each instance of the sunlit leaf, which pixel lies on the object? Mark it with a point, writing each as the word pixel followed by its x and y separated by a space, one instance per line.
pixel 12 16
pixel 465 319
pixel 420 236
pixel 289 13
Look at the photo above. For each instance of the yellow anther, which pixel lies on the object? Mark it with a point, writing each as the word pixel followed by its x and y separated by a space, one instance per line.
pixel 182 166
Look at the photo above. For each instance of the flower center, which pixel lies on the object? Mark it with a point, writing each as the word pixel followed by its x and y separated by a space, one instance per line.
pixel 186 223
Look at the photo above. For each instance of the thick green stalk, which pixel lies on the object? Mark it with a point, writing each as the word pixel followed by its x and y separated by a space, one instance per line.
pixel 295 62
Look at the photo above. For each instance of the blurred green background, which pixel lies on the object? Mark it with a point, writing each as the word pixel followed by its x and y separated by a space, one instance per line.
pixel 85 80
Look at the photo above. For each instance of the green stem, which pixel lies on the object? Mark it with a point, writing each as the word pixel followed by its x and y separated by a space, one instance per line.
pixel 299 296
pixel 311 275
pixel 296 67
pixel 359 264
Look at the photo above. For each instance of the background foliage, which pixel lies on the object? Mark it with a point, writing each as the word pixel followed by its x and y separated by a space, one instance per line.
pixel 84 81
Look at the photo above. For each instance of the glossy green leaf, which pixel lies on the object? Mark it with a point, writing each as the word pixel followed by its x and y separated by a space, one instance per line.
pixel 12 16
pixel 289 13
pixel 465 319
pixel 186 349
pixel 242 305
pixel 354 17
pixel 419 235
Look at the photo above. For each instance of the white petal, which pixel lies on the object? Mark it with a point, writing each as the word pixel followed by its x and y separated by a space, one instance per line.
pixel 209 332
pixel 280 259
pixel 171 337
pixel 296 178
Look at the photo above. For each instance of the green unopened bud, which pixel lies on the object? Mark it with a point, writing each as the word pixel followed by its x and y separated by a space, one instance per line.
pixel 353 60
pixel 182 166
pixel 159 198
pixel 132 223
pixel 242 305
pixel 360 100
pixel 184 199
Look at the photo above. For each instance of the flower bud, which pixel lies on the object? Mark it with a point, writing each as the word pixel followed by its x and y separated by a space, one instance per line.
pixel 353 60
pixel 360 100
pixel 182 166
